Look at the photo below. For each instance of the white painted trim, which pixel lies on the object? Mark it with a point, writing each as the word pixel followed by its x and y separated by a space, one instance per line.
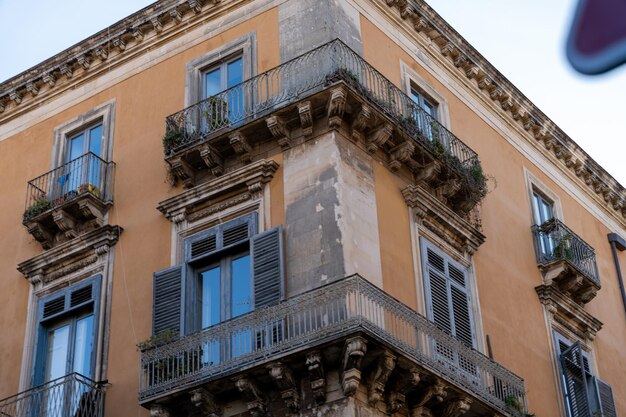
pixel 410 77
pixel 535 184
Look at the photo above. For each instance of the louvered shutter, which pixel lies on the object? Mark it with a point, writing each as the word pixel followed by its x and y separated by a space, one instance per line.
pixel 607 402
pixel 167 300
pixel 220 237
pixel 267 267
pixel 572 366
pixel 64 301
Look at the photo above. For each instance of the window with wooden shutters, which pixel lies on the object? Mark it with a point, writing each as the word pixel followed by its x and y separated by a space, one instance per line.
pixel 448 302
pixel 67 329
pixel 585 395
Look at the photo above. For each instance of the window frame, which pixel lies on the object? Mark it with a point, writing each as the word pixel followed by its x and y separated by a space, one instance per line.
pixel 244 46
pixel 535 185
pixel 412 80
pixel 69 315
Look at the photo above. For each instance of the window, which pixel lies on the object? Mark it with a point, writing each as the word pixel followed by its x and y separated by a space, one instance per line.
pixel 67 329
pixel 542 208
pixel 448 304
pixel 425 114
pixel 229 270
pixel 584 394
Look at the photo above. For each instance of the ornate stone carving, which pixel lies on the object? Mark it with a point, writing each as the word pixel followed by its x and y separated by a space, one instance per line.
pixel 447 189
pixel 176 15
pixel 31 87
pixel 159 411
pixel 336 107
pixel 157 24
pixel 67 71
pixel 195 5
pixel 42 234
pixel 427 173
pixel 447 49
pixel 15 96
pixel 241 147
pixel 316 376
pixel 456 407
pixel 472 71
pixel 379 137
pixel 485 83
pixel 407 11
pixel 252 394
pixel 406 380
pixel 286 384
pixel 435 392
pixel 354 352
pixel 401 153
pixel 84 61
pixel 181 170
pixel 65 222
pixel 49 79
pixel 212 159
pixel 460 61
pixel 306 117
pixel 214 208
pixel 90 208
pixel 119 43
pixel 205 402
pixel 420 24
pixel 377 380
pixel 137 33
pixel 102 53
pixel 279 130
pixel 360 122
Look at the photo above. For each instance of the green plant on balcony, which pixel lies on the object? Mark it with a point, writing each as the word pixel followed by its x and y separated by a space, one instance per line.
pixel 563 248
pixel 215 113
pixel 40 205
pixel 172 139
pixel 89 188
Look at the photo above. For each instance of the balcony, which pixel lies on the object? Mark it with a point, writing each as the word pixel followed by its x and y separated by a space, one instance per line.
pixel 332 83
pixel 381 350
pixel 567 262
pixel 69 200
pixel 70 396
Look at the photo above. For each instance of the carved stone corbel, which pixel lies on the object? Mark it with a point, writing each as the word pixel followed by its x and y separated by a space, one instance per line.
pixel 195 5
pixel 176 15
pixel 84 61
pixel 306 117
pixel 336 107
pixel 102 53
pixel 212 159
pixel 429 172
pixel 401 153
pixel 157 24
pixel 379 137
pixel 49 79
pixel 241 146
pixel 279 130
pixel 32 88
pixel 420 24
pixel 360 122
pixel 378 379
pixel 286 384
pixel 66 223
pixel 159 411
pixel 406 381
pixel 15 96
pixel 460 61
pixel 354 352
pixel 472 71
pixel 205 402
pixel 485 83
pixel 41 234
pixel 66 70
pixel 421 411
pixel 119 43
pixel 456 407
pixel 181 169
pixel 447 189
pixel 496 93
pixel 89 210
pixel 252 394
pixel 435 392
pixel 506 103
pixel 447 49
pixel 316 376
pixel 137 33
pixel 407 11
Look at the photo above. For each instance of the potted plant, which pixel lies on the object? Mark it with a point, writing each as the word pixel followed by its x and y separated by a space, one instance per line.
pixel 89 188
pixel 40 205
pixel 215 113
pixel 172 139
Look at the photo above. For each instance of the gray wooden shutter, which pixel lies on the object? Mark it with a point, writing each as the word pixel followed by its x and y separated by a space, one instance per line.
pixel 266 251
pixel 220 237
pixel 167 300
pixel 575 380
pixel 607 403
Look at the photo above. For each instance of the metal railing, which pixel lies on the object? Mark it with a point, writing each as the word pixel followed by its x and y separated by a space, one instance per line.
pixel 85 174
pixel 556 242
pixel 351 305
pixel 304 76
pixel 73 395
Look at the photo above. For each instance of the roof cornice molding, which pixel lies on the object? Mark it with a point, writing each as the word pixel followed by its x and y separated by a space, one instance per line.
pixel 111 47
pixel 541 132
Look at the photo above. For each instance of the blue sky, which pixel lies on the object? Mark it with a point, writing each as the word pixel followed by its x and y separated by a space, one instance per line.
pixel 523 39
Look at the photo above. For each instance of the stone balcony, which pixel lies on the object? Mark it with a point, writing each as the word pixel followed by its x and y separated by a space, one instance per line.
pixel 328 88
pixel 336 349
pixel 69 200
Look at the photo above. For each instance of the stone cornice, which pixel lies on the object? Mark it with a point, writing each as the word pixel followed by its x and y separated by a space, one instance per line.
pixel 418 17
pixel 70 256
pixel 239 185
pixel 111 47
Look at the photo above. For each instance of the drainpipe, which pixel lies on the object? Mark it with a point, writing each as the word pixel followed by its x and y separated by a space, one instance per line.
pixel 617 243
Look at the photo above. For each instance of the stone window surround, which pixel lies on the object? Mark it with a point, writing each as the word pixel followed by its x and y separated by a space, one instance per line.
pixel 411 79
pixel 244 45
pixel 104 113
pixel 534 184
pixel 418 232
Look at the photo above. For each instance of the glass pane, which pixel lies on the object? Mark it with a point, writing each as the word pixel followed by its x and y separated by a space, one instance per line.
pixel 241 294
pixel 95 140
pixel 210 302
pixel 76 146
pixel 235 72
pixel 57 353
pixel 212 83
pixel 83 344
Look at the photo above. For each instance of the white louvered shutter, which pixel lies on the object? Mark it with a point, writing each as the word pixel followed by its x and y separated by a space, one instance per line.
pixel 167 300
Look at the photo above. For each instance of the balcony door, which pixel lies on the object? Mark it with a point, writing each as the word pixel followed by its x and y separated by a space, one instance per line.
pixel 543 211
pixel 228 107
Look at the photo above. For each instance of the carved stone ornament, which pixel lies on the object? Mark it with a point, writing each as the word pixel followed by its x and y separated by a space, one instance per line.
pixel 336 107
pixel 203 199
pixel 456 407
pixel 213 159
pixel 252 395
pixel 569 281
pixel 278 128
pixel 285 382
pixel 306 117
pixel 361 122
pixel 69 256
pixel 241 146
pixel 379 137
pixel 205 402
pixel 354 352
pixel 159 411
pixel 316 376
pixel 433 393
pixel 378 378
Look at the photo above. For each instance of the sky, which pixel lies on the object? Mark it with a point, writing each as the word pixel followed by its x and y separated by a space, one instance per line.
pixel 524 40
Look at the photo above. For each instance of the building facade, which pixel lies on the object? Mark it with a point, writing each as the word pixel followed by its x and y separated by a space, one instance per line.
pixel 300 207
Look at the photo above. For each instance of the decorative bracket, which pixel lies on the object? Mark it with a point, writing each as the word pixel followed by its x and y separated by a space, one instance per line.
pixel 159 411
pixel 279 130
pixel 213 159
pixel 252 394
pixel 306 117
pixel 205 402
pixel 360 122
pixel 336 107
pixel 456 407
pixel 286 384
pixel 384 366
pixel 354 352
pixel 379 137
pixel 316 375
pixel 241 146
pixel 401 153
pixel 182 170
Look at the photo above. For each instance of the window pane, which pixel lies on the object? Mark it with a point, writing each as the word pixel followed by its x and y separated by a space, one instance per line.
pixel 76 146
pixel 235 72
pixel 95 140
pixel 212 83
pixel 241 296
pixel 83 344
pixel 210 303
pixel 57 352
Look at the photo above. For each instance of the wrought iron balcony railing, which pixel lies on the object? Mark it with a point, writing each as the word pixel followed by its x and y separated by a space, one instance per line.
pixel 325 314
pixel 85 174
pixel 70 396
pixel 556 242
pixel 302 77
